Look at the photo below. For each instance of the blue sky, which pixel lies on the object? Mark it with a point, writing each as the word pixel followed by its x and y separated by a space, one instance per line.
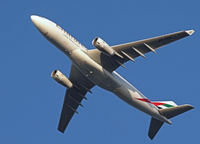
pixel 30 101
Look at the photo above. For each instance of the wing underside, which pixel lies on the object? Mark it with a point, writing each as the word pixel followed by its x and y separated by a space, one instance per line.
pixel 73 97
pixel 129 51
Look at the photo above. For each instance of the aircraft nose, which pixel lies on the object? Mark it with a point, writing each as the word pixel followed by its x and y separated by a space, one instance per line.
pixel 36 20
pixel 42 24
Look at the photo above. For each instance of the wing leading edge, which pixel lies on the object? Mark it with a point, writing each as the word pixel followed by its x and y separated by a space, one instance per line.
pixel 131 50
pixel 73 97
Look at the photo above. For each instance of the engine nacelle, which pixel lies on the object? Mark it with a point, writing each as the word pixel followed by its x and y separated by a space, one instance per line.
pixel 102 46
pixel 61 79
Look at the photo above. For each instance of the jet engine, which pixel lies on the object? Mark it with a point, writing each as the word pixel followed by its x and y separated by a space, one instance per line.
pixel 61 79
pixel 103 46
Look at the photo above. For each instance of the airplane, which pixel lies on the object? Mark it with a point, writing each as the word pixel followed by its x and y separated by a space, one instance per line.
pixel 97 67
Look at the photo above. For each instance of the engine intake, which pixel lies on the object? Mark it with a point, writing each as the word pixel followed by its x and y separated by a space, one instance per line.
pixel 61 79
pixel 103 46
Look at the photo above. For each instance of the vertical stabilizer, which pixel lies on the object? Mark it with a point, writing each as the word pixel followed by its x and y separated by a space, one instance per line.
pixel 164 104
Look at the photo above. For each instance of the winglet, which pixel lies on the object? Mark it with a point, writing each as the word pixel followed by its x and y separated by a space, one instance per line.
pixel 190 32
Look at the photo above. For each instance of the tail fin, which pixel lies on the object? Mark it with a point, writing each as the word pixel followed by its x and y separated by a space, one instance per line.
pixel 164 104
pixel 168 113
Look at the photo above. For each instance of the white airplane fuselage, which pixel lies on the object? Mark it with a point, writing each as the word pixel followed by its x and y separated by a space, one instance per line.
pixel 94 72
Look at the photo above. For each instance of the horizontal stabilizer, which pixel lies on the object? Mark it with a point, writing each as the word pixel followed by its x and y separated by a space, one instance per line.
pixel 154 127
pixel 168 113
pixel 174 111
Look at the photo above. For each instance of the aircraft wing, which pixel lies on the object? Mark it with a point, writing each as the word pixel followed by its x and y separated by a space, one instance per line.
pixel 129 51
pixel 73 97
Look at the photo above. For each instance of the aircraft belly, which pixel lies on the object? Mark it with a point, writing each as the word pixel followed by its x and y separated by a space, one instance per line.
pixel 106 80
pixel 130 97
pixel 93 71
